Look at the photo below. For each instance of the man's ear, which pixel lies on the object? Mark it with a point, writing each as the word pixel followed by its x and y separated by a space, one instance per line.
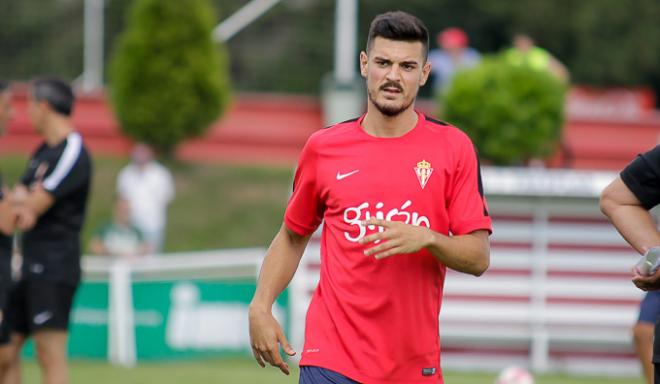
pixel 364 60
pixel 426 70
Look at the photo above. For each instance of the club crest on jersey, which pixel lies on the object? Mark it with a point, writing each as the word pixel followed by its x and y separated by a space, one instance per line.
pixel 423 171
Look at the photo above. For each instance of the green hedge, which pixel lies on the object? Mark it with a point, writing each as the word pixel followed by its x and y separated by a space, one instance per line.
pixel 169 80
pixel 512 113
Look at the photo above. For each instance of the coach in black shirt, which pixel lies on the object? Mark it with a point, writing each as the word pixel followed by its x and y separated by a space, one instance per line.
pixel 7 221
pixel 6 231
pixel 626 202
pixel 50 208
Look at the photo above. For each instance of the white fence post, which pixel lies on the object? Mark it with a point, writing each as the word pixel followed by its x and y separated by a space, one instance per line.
pixel 92 77
pixel 539 349
pixel 121 325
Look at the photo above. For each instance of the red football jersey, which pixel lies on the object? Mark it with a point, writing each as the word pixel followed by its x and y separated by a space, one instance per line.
pixel 376 321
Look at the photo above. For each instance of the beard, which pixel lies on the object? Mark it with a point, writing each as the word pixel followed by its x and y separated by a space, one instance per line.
pixel 385 109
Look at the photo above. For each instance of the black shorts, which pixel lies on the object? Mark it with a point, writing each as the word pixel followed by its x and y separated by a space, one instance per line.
pixel 38 304
pixel 5 329
pixel 317 375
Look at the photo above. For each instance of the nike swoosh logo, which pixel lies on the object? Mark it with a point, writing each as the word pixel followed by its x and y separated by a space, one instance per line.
pixel 42 317
pixel 341 176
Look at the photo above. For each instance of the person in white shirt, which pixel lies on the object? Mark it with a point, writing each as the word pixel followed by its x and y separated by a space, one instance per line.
pixel 149 188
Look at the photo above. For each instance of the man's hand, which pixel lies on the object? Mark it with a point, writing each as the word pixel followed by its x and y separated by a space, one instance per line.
pixel 30 204
pixel 266 336
pixel 25 218
pixel 19 194
pixel 397 238
pixel 646 282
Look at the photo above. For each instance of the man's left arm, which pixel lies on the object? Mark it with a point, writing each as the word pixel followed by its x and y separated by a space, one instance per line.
pixel 29 205
pixel 469 253
pixel 467 249
pixel 66 177
pixel 634 223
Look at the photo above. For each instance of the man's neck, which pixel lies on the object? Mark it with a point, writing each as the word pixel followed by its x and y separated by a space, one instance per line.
pixel 57 131
pixel 142 167
pixel 379 125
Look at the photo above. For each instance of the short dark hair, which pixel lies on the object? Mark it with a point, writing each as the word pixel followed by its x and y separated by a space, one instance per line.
pixel 56 92
pixel 400 26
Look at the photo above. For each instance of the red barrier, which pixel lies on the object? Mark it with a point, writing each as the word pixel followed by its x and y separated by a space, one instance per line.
pixel 267 128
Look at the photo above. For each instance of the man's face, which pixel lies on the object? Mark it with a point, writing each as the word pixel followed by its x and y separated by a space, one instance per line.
pixel 142 154
pixel 37 112
pixel 5 110
pixel 523 43
pixel 394 71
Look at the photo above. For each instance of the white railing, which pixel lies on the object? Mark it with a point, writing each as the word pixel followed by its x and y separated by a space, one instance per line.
pixel 557 296
pixel 232 263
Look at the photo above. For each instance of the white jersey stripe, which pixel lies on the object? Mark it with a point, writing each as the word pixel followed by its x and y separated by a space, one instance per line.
pixel 66 162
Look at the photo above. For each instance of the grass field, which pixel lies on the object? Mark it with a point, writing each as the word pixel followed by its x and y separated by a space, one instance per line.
pixel 216 206
pixel 245 371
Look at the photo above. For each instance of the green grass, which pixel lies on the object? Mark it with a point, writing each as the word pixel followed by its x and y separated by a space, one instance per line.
pixel 245 371
pixel 216 206
pixel 226 206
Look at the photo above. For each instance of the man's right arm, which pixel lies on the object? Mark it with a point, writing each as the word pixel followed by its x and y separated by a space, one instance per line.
pixel 628 216
pixel 7 217
pixel 277 270
pixel 635 224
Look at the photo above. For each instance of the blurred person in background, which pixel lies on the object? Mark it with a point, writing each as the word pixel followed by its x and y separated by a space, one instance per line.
pixel 387 218
pixel 119 237
pixel 6 110
pixel 148 187
pixel 50 204
pixel 7 223
pixel 649 309
pixel 525 52
pixel 454 56
pixel 626 202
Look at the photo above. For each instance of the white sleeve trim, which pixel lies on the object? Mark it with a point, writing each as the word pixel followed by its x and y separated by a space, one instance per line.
pixel 66 162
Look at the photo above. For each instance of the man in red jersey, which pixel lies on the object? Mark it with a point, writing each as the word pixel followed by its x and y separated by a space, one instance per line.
pixel 401 200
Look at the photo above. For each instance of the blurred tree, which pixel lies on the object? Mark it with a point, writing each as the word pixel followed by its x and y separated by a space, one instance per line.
pixel 512 113
pixel 169 80
pixel 617 42
pixel 41 37
pixel 289 49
